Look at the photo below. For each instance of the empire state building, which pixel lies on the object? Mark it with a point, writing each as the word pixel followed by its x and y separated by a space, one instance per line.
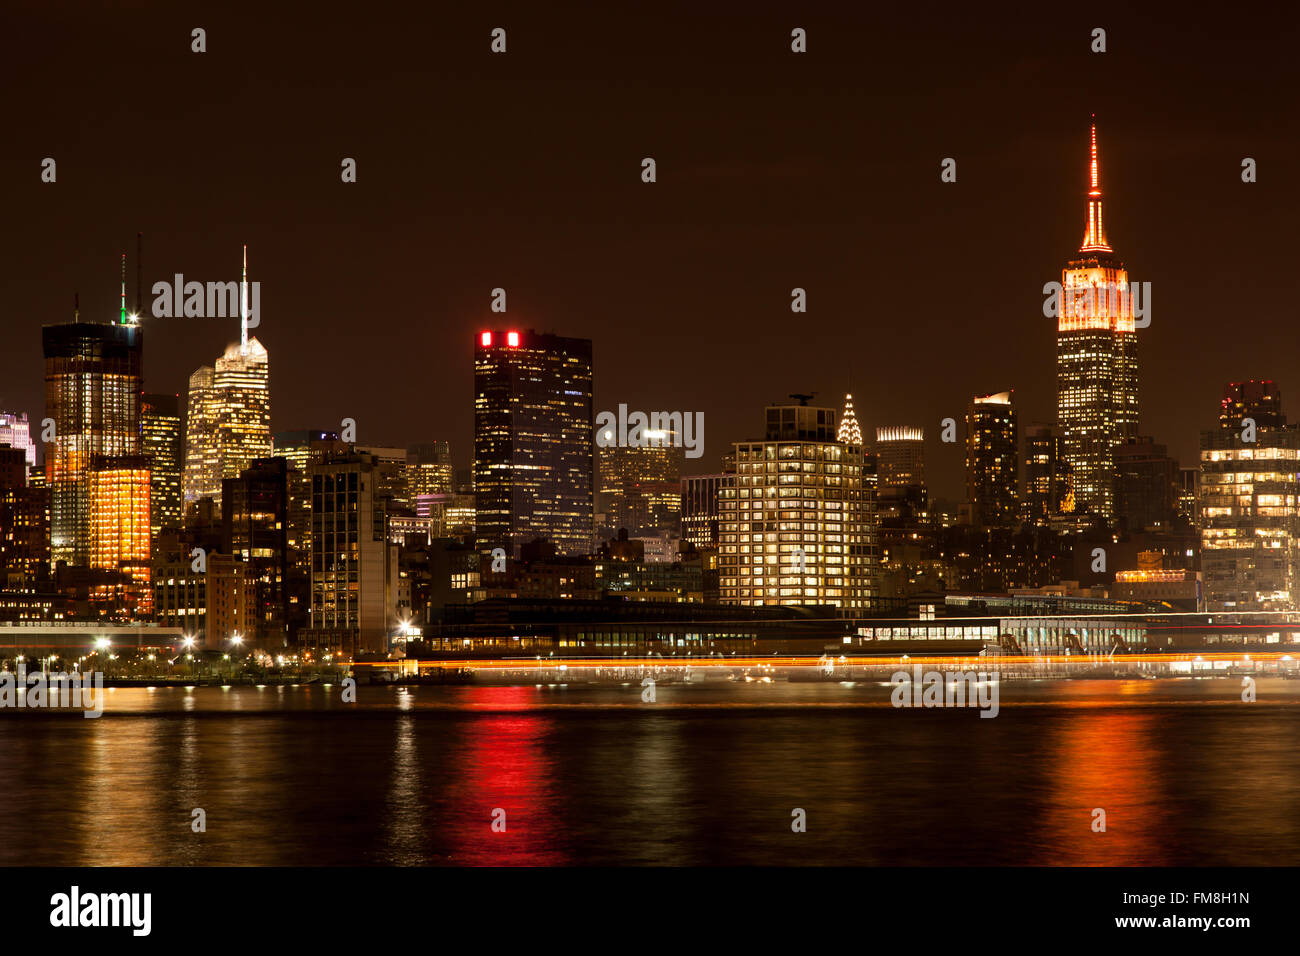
pixel 1096 360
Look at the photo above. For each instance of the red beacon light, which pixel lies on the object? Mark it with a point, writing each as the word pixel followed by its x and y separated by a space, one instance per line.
pixel 512 339
pixel 485 339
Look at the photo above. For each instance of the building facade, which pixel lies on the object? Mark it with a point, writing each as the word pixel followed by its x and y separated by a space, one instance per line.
pixel 162 442
pixel 533 441
pixel 798 529
pixel 992 460
pixel 1096 360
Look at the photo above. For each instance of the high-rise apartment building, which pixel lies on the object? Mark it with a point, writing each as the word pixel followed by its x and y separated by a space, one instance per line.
pixel 533 440
pixel 162 442
pixel 1096 359
pixel 1249 505
pixel 798 530
pixel 992 460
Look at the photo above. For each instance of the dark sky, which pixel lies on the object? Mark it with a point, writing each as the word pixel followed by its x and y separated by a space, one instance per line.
pixel 775 170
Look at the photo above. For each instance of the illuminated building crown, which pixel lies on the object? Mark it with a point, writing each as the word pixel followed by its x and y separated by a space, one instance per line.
pixel 849 432
pixel 1094 236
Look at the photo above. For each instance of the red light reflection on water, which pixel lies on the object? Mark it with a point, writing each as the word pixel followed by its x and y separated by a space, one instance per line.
pixel 501 762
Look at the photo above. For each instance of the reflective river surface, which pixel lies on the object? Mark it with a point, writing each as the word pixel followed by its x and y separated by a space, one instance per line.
pixel 1185 771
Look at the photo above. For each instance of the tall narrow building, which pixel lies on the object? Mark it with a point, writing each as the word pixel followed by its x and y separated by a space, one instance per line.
pixel 229 416
pixel 162 442
pixel 533 441
pixel 992 460
pixel 1096 359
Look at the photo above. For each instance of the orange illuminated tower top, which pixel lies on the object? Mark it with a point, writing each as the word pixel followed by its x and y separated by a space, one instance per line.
pixel 1094 237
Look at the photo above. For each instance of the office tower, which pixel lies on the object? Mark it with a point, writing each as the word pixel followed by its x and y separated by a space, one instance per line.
pixel 162 443
pixel 429 470
pixel 24 523
pixel 797 530
pixel 16 432
pixel 353 567
pixel 1249 505
pixel 1146 485
pixel 202 457
pixel 533 437
pixel 254 529
pixel 850 432
pixel 229 415
pixel 1096 360
pixel 992 460
pixel 900 471
pixel 700 509
pixel 120 539
pixel 640 488
pixel 93 374
pixel 1047 475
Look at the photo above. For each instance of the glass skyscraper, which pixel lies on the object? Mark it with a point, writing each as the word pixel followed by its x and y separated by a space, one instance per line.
pixel 93 374
pixel 533 440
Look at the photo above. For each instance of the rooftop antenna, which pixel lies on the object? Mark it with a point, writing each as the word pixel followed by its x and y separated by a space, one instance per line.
pixel 803 399
pixel 76 307
pixel 243 306
pixel 124 288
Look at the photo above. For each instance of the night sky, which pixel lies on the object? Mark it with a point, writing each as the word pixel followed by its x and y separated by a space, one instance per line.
pixel 775 170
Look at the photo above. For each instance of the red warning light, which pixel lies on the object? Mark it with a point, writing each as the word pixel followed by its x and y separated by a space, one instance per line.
pixel 485 339
pixel 512 339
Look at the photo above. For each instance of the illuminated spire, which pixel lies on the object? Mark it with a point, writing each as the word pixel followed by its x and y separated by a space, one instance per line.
pixel 124 288
pixel 1094 237
pixel 850 433
pixel 243 306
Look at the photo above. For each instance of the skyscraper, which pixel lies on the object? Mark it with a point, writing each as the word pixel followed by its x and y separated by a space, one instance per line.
pixel 1047 475
pixel 229 418
pixel 992 460
pixel 255 530
pixel 533 438
pixel 161 441
pixel 120 531
pixel 93 374
pixel 900 471
pixel 798 529
pixel 353 567
pixel 1096 359
pixel 1249 505
pixel 640 488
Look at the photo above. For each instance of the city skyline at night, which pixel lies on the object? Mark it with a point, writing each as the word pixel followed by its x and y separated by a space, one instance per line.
pixel 505 448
